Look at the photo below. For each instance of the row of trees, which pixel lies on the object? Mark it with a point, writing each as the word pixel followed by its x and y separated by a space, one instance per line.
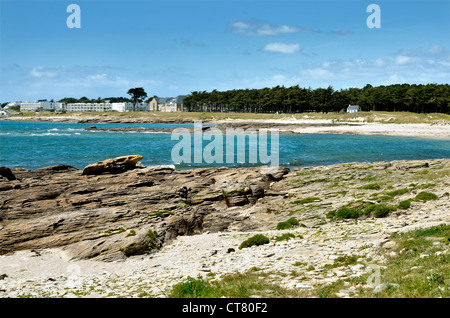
pixel 418 98
pixel 84 99
pixel 137 95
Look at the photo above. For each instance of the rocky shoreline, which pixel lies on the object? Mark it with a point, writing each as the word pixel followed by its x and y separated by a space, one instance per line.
pixel 101 119
pixel 435 129
pixel 136 232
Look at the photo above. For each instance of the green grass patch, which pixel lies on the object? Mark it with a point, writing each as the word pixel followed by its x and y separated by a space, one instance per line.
pixel 234 192
pixel 239 285
pixel 192 288
pixel 284 237
pixel 114 231
pixel 284 226
pixel 369 178
pixel 345 260
pixel 419 266
pixel 287 224
pixel 307 200
pixel 425 196
pixel 142 248
pixel 257 239
pixel 397 192
pixel 355 210
pixel 390 195
pixel 370 186
pixel 380 211
pixel 131 233
pixel 406 204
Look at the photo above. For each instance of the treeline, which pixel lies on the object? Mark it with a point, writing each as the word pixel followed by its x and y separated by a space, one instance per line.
pixel 98 100
pixel 429 98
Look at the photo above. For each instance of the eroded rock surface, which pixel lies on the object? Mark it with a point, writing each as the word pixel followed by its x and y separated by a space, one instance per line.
pixel 108 214
pixel 111 216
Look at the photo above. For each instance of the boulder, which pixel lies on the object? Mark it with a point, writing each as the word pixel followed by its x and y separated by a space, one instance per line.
pixel 274 173
pixel 7 173
pixel 114 165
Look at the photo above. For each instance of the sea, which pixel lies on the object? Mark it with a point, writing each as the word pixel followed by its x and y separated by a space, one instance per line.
pixel 37 144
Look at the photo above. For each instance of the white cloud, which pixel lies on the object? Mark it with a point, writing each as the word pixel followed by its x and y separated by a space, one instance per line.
pixel 260 28
pixel 98 76
pixel 435 50
pixel 40 71
pixel 403 60
pixel 284 48
pixel 319 73
pixel 413 66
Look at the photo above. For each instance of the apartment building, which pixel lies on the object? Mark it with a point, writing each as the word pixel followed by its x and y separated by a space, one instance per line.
pixel 45 105
pixel 106 107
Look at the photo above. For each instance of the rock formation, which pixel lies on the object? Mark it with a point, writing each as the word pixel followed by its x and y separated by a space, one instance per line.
pixel 113 165
pixel 124 211
pixel 107 210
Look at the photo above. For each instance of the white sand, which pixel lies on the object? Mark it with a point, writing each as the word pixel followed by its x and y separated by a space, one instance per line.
pixel 358 128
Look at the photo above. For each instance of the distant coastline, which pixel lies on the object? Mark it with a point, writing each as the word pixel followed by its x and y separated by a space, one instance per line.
pixel 365 123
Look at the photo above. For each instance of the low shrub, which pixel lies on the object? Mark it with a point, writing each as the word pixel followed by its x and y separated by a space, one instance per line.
pixel 397 192
pixel 257 239
pixel 406 204
pixel 287 224
pixel 284 237
pixel 349 212
pixel 192 288
pixel 380 211
pixel 426 196
pixel 284 225
pixel 370 186
pixel 293 221
pixel 307 200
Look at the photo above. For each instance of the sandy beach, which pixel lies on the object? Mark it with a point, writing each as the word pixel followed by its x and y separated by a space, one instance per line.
pixel 305 126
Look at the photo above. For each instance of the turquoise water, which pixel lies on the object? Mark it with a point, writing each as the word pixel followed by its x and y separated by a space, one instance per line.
pixel 34 145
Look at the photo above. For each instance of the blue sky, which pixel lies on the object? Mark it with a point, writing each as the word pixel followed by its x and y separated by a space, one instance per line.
pixel 175 47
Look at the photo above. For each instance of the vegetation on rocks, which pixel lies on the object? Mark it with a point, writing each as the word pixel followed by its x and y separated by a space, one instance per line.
pixel 141 248
pixel 287 224
pixel 236 285
pixel 353 211
pixel 237 249
pixel 426 196
pixel 258 239
pixel 405 204
pixel 418 267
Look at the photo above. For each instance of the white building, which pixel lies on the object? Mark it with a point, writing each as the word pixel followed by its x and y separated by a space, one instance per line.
pixel 353 109
pixel 93 107
pixel 106 107
pixel 123 107
pixel 32 107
